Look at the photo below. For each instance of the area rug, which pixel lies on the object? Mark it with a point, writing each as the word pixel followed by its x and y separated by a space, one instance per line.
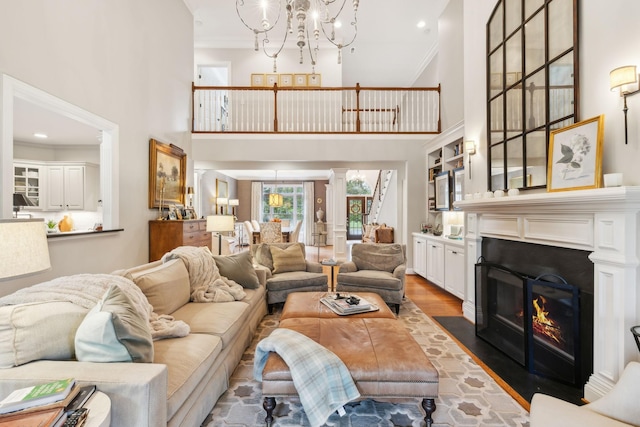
pixel 468 395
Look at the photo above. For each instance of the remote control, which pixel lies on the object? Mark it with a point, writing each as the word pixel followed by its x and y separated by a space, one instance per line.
pixel 76 418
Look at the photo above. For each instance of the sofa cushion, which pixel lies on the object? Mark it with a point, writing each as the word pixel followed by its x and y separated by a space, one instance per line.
pixel 287 259
pixel 296 279
pixel 371 279
pixel 239 268
pixel 114 331
pixel 380 256
pixel 41 330
pixel 166 286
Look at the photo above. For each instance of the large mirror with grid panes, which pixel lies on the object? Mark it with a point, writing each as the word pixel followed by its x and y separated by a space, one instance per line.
pixel 532 87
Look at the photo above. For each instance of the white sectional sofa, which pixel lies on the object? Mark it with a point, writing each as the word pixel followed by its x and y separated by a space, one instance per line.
pixel 187 375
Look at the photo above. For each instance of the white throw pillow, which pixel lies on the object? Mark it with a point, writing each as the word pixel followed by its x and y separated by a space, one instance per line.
pixel 114 331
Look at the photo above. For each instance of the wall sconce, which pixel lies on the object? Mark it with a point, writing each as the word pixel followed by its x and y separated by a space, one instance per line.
pixel 470 148
pixel 625 78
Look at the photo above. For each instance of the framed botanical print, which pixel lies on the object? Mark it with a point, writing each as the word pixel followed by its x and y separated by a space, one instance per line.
pixel 167 174
pixel 300 80
pixel 285 80
pixel 442 191
pixel 271 79
pixel 257 80
pixel 314 80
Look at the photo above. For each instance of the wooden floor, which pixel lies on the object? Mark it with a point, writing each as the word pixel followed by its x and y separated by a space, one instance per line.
pixel 431 299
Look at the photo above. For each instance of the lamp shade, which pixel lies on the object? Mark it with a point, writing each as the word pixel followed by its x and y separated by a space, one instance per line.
pixel 234 202
pixel 623 76
pixel 222 201
pixel 470 147
pixel 189 190
pixel 23 248
pixel 20 199
pixel 220 223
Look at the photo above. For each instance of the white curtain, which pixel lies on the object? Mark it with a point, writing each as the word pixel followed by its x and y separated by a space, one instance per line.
pixel 309 215
pixel 256 201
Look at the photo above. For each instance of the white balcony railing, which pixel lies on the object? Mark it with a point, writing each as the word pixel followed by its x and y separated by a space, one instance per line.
pixel 226 109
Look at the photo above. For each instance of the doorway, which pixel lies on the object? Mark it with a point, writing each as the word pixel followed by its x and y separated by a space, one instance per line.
pixel 356 207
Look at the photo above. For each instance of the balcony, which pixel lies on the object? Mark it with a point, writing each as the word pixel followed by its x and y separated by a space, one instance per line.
pixel 337 110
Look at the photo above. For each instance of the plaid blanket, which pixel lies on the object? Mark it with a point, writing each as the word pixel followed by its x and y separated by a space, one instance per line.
pixel 322 381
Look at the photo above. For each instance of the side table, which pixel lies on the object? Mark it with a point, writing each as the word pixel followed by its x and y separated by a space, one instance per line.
pixel 99 406
pixel 332 281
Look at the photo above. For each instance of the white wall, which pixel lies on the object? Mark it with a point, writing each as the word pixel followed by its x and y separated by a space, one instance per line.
pixel 451 63
pixel 602 48
pixel 129 62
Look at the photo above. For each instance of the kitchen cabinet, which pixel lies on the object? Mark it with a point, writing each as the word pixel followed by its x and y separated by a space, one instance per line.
pixel 28 180
pixel 441 261
pixel 72 186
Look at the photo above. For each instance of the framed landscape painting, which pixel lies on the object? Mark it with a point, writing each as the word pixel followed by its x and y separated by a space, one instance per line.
pixel 575 156
pixel 167 174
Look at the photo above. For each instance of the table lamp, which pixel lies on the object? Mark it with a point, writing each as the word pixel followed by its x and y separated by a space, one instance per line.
pixel 233 203
pixel 23 248
pixel 220 224
pixel 20 200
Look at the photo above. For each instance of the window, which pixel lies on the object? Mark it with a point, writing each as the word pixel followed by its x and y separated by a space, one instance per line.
pixel 532 87
pixel 292 208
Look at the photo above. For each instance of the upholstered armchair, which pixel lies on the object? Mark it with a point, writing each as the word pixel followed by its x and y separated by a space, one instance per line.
pixel 287 270
pixel 375 267
pixel 617 408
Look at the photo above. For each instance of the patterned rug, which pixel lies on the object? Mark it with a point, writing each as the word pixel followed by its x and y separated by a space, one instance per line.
pixel 468 395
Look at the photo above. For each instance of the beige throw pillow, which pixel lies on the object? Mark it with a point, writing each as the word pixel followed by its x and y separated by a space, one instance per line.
pixel 166 286
pixel 289 259
pixel 239 268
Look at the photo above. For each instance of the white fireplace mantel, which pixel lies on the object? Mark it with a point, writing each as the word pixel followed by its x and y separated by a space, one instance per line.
pixel 603 221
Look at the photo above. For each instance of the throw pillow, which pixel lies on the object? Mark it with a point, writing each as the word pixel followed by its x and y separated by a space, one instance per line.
pixel 288 259
pixel 262 254
pixel 166 286
pixel 238 267
pixel 114 331
pixel 39 330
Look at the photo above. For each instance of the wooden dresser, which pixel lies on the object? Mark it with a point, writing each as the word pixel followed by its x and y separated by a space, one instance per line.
pixel 167 235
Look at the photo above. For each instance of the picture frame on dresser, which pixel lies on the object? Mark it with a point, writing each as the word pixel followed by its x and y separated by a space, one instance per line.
pixel 167 174
pixel 575 156
pixel 441 184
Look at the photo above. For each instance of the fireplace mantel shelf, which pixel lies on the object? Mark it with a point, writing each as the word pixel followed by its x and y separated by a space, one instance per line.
pixel 594 200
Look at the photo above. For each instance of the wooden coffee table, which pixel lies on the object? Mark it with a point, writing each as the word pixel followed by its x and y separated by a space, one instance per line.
pixel 383 358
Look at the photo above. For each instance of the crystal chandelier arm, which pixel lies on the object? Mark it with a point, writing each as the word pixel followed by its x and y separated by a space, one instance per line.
pixel 241 3
pixel 331 21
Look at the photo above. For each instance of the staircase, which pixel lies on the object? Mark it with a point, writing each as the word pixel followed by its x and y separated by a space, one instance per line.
pixel 382 184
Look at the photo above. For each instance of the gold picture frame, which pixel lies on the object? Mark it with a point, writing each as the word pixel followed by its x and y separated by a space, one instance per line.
pixel 300 80
pixel 314 80
pixel 575 156
pixel 257 80
pixel 167 174
pixel 285 80
pixel 271 79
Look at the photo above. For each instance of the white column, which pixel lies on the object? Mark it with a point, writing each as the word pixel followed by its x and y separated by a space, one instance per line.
pixel 328 194
pixel 338 181
pixel 615 299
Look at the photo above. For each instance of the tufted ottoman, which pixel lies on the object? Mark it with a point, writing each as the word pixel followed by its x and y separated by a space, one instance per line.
pixel 383 358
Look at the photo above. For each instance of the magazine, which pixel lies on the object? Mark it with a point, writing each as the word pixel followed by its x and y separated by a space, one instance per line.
pixel 342 307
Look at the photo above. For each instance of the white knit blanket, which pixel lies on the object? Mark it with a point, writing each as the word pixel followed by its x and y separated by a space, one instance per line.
pixel 207 285
pixel 85 290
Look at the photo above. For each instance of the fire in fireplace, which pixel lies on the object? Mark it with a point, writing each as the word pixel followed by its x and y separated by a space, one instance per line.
pixel 537 321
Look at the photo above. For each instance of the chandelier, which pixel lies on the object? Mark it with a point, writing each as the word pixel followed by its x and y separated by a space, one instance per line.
pixel 307 18
pixel 275 199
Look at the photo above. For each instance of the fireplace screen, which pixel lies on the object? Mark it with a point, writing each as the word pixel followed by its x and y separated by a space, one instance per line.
pixel 533 321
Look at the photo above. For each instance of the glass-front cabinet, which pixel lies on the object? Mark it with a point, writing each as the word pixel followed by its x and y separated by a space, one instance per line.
pixel 532 87
pixel 27 180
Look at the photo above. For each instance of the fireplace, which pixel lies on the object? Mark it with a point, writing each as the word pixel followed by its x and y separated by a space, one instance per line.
pixel 528 305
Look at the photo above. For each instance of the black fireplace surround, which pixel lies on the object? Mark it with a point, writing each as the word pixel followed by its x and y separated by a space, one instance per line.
pixel 535 303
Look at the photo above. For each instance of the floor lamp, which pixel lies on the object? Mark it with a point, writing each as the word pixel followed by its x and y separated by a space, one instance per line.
pixel 23 248
pixel 220 224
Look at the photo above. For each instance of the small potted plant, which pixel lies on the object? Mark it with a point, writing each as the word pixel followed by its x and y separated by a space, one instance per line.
pixel 51 226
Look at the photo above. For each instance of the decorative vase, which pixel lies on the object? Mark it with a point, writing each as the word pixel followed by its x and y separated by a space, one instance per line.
pixel 65 224
pixel 319 214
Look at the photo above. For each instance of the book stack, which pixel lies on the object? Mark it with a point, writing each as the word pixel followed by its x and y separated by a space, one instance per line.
pixel 43 405
pixel 344 305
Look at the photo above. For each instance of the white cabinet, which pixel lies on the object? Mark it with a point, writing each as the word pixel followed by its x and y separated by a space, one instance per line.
pixel 420 255
pixel 435 262
pixel 454 270
pixel 28 180
pixel 72 187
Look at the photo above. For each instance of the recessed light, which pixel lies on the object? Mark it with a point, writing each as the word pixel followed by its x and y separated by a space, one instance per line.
pixel 40 135
pixel 421 24
pixel 337 24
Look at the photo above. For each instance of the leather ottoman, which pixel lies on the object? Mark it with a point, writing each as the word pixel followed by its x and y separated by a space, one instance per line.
pixel 383 358
pixel 307 304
